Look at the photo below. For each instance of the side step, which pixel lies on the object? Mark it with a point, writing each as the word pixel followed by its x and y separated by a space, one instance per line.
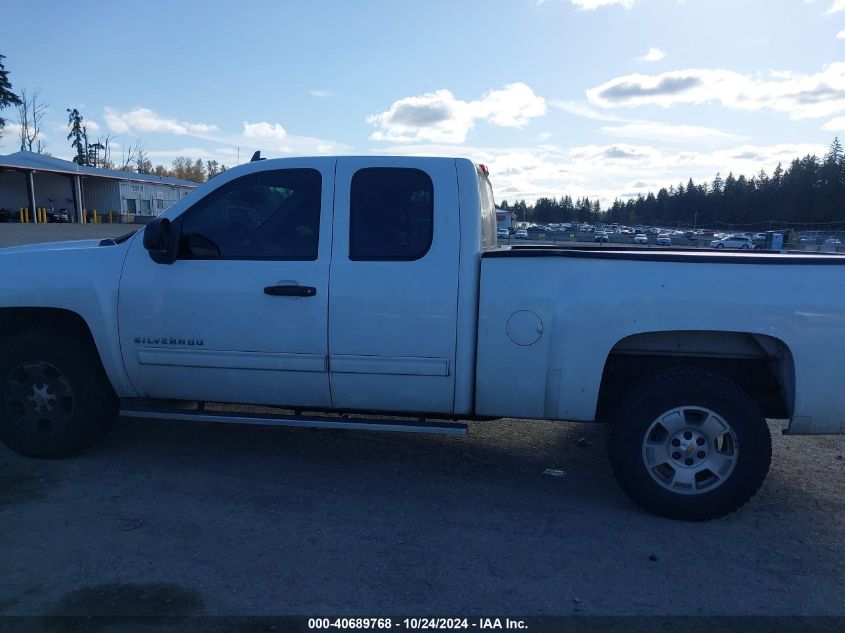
pixel 307 421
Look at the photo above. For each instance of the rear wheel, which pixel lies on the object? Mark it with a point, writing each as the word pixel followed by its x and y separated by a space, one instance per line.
pixel 688 444
pixel 54 398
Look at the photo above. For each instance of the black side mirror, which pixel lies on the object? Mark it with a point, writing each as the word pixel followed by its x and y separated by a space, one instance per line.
pixel 158 240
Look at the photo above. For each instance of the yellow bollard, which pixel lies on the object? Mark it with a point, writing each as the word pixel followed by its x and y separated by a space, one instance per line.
pixel 20 215
pixel 109 217
pixel 96 219
pixel 43 217
pixel 84 216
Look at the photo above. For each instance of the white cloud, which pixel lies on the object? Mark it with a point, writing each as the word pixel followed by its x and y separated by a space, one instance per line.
pixel 440 117
pixel 225 155
pixel 264 130
pixel 835 125
pixel 836 7
pixel 512 106
pixel 11 129
pixel 12 133
pixel 92 126
pixel 144 120
pixel 589 5
pixel 801 96
pixel 841 35
pixel 271 138
pixel 583 110
pixel 320 93
pixel 668 133
pixel 653 55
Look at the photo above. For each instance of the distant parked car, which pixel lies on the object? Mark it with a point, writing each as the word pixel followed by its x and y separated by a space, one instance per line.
pixel 833 241
pixel 503 234
pixel 521 234
pixel 664 239
pixel 733 241
pixel 6 215
pixel 641 238
pixel 61 215
pixel 601 236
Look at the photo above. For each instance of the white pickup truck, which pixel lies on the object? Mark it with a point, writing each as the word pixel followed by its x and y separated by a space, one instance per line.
pixel 375 285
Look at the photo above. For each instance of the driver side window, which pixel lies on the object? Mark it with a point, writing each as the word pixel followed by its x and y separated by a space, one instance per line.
pixel 266 215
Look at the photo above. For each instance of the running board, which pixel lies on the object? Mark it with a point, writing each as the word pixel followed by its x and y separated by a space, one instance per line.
pixel 313 422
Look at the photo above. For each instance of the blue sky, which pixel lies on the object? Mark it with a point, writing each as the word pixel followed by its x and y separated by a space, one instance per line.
pixel 603 98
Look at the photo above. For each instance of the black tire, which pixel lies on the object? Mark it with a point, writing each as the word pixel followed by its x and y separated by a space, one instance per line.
pixel 720 246
pixel 636 419
pixel 81 403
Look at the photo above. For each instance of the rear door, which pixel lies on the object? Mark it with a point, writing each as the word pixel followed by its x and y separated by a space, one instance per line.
pixel 394 285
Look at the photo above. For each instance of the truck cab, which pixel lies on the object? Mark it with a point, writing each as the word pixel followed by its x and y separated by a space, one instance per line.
pixel 313 283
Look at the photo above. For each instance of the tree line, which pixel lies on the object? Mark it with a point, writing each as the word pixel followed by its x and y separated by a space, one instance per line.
pixel 809 191
pixel 93 152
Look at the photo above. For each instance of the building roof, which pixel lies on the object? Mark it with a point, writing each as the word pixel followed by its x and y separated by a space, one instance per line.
pixel 30 161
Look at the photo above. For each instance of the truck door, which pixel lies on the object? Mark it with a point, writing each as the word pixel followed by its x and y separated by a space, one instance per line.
pixel 242 314
pixel 394 285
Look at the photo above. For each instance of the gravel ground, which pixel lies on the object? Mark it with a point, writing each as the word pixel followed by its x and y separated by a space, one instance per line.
pixel 171 518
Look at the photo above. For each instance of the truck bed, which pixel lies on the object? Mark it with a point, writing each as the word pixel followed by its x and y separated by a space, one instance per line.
pixel 670 254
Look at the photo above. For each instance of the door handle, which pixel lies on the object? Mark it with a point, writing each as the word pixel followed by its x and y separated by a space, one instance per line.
pixel 290 291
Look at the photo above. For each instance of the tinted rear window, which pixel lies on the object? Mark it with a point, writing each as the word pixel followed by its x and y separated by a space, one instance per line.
pixel 391 214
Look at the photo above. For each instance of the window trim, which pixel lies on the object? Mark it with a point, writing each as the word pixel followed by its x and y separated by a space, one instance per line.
pixel 212 196
pixel 391 258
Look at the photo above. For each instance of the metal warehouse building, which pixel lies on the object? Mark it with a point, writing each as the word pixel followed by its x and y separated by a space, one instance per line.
pixel 35 181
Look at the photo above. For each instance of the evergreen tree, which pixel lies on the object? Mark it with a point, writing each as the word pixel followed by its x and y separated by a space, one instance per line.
pixel 78 136
pixel 7 97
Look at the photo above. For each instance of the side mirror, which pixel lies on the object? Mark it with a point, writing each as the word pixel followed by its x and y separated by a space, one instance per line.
pixel 158 240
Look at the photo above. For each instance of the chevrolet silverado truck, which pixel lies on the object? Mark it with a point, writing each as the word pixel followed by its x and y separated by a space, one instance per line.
pixel 371 293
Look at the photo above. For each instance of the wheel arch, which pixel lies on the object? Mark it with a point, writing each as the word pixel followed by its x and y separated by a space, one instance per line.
pixel 761 364
pixel 60 321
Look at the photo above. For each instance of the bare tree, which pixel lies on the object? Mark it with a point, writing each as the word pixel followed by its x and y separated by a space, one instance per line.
pixel 105 142
pixel 31 114
pixel 130 156
pixel 143 165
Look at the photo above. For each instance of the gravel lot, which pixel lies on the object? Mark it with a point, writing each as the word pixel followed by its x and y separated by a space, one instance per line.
pixel 220 519
pixel 174 518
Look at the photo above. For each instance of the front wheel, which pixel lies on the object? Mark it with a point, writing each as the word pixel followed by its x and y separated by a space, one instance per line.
pixel 54 398
pixel 689 444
